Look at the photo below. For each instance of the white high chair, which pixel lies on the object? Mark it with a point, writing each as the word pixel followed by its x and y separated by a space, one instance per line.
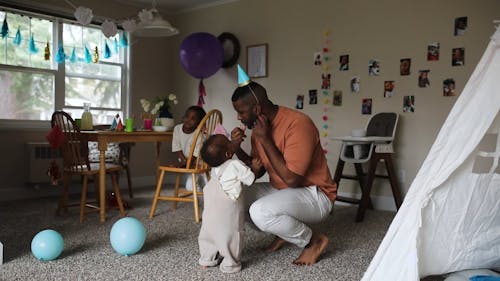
pixel 370 146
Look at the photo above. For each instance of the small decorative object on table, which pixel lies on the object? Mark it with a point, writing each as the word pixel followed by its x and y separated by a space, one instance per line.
pixel 159 107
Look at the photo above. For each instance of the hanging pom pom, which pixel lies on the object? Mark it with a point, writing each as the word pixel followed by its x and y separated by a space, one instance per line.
pixel 18 39
pixel 73 57
pixel 88 55
pixel 33 49
pixel 83 15
pixel 202 94
pixel 60 56
pixel 46 53
pixel 107 50
pixel 95 57
pixel 109 28
pixel 5 28
pixel 129 25
pixel 123 40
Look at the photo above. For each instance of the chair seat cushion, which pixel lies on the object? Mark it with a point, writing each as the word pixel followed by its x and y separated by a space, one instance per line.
pixel 112 153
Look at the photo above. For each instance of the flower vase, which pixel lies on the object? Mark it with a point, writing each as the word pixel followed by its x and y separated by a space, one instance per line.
pixel 166 119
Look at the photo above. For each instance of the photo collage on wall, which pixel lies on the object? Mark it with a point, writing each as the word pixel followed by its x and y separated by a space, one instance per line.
pixel 375 67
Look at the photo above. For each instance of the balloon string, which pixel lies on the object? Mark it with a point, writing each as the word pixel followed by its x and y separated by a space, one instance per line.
pixel 202 94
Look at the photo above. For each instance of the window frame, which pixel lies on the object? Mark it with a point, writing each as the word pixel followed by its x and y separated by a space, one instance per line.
pixel 59 73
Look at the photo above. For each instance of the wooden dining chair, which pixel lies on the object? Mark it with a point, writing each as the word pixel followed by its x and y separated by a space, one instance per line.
pixel 195 166
pixel 74 150
pixel 116 153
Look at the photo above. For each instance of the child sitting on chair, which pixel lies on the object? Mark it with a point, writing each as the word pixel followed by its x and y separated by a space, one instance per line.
pixel 183 137
pixel 221 233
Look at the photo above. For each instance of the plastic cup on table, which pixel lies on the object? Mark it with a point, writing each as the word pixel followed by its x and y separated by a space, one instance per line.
pixel 129 125
pixel 78 122
pixel 148 124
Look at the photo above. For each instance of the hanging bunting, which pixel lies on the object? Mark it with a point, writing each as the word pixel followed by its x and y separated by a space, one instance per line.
pixel 201 94
pixel 73 57
pixel 116 46
pixel 325 86
pixel 18 39
pixel 5 28
pixel 60 56
pixel 95 57
pixel 123 40
pixel 107 50
pixel 46 54
pixel 88 55
pixel 33 49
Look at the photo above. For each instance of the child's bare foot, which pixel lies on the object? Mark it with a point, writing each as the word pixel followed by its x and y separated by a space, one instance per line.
pixel 275 245
pixel 313 250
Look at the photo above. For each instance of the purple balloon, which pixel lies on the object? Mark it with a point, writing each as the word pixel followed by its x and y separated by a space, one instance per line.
pixel 201 54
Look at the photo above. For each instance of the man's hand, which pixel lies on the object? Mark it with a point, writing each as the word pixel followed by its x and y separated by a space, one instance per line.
pixel 237 137
pixel 256 165
pixel 262 127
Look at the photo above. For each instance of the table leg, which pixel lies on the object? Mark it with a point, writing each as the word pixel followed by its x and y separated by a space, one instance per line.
pixel 158 148
pixel 102 145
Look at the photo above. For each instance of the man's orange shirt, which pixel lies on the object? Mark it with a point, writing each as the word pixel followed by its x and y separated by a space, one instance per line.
pixel 297 138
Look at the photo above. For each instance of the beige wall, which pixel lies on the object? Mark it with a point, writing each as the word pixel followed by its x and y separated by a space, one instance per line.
pixel 387 30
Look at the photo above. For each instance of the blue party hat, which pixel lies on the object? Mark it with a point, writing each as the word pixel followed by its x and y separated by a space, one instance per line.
pixel 243 79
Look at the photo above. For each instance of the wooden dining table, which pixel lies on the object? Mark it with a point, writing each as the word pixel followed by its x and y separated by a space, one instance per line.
pixel 106 136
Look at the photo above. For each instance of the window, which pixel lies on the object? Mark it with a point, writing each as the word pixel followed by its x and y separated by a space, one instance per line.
pixel 33 84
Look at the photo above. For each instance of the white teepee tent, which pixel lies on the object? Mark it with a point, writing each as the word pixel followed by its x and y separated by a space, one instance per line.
pixel 450 218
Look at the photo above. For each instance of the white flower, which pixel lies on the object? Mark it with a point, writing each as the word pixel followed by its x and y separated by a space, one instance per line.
pixel 157 107
pixel 172 97
pixel 145 105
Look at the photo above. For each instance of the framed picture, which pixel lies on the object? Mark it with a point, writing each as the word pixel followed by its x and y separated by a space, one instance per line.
pixel 257 60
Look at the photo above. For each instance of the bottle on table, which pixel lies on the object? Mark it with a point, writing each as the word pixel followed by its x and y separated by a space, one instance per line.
pixel 87 123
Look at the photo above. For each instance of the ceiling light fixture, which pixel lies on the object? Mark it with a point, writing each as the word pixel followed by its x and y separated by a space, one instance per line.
pixel 151 24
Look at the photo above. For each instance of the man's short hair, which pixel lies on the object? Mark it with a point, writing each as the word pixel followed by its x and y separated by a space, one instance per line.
pixel 246 92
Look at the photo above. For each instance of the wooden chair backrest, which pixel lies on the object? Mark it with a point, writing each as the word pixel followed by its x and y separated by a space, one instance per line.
pixel 202 132
pixel 74 148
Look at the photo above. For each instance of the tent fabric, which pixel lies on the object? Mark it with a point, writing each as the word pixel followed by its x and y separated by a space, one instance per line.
pixel 450 218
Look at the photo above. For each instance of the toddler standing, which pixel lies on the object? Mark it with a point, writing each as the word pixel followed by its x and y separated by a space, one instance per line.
pixel 221 234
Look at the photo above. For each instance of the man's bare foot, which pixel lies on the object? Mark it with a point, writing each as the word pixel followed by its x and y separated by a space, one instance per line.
pixel 275 245
pixel 313 250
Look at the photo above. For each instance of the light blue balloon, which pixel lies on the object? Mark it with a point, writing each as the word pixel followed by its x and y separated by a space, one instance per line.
pixel 47 245
pixel 127 236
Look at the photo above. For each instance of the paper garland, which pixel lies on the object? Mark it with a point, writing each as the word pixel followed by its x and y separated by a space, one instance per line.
pixel 325 86
pixel 60 56
pixel 18 39
pixel 5 28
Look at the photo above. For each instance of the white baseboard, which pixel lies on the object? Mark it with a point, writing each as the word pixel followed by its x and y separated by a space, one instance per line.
pixel 385 203
pixel 1 253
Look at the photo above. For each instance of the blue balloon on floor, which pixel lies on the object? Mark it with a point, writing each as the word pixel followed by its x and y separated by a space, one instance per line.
pixel 47 245
pixel 127 236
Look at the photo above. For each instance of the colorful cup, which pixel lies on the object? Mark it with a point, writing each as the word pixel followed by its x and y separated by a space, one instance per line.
pixel 78 122
pixel 148 124
pixel 129 125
